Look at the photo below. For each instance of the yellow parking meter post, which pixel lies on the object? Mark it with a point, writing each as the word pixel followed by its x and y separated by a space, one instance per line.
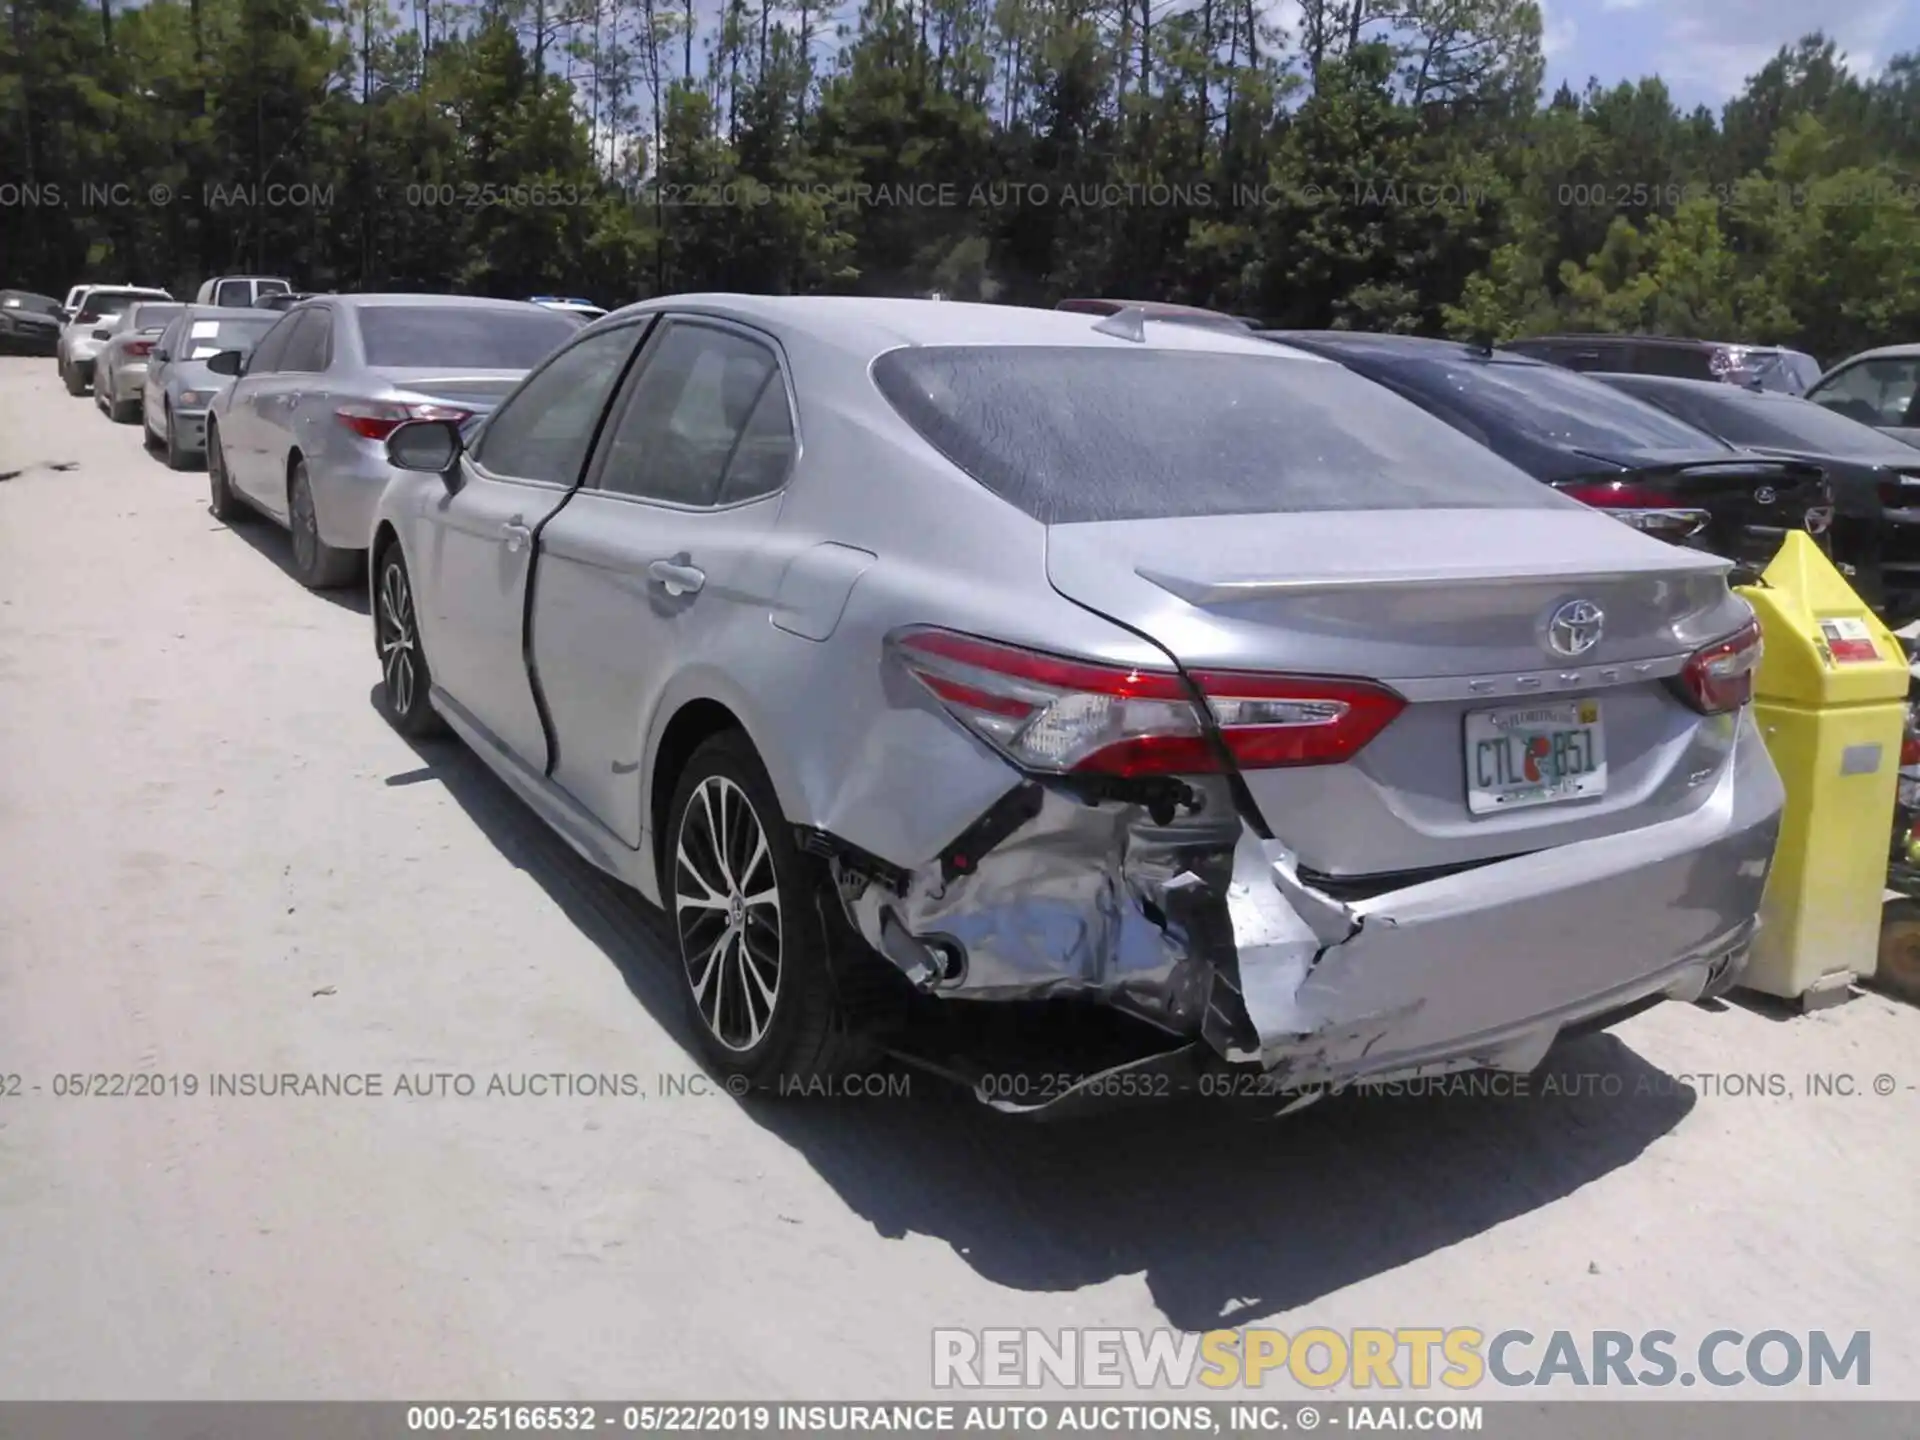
pixel 1830 698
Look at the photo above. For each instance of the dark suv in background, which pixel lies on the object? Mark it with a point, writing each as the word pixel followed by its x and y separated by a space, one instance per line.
pixel 1764 367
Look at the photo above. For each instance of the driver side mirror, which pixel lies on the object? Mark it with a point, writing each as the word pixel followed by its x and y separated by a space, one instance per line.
pixel 427 447
pixel 227 362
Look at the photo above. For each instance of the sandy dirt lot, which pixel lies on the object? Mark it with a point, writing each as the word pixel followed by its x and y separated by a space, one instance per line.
pixel 217 860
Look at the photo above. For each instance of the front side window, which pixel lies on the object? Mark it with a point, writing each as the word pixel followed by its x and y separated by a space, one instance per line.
pixel 707 422
pixel 545 428
pixel 1874 392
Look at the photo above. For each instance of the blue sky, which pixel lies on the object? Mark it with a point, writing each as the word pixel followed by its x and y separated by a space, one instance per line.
pixel 1705 49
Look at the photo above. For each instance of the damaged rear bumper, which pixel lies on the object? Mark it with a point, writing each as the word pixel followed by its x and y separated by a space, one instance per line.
pixel 1206 930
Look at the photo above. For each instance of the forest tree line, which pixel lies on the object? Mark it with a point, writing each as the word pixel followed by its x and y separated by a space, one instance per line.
pixel 1376 164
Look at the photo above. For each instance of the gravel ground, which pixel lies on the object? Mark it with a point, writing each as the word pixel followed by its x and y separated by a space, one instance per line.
pixel 216 859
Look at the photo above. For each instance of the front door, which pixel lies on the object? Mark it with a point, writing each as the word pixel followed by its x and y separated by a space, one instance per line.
pixel 479 539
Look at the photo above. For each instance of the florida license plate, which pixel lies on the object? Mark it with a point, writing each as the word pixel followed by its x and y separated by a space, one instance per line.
pixel 1522 755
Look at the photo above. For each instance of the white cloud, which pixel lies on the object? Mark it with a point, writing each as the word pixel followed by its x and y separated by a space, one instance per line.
pixel 1557 33
pixel 1719 43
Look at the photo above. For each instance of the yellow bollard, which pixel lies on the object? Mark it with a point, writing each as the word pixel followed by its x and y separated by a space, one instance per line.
pixel 1830 698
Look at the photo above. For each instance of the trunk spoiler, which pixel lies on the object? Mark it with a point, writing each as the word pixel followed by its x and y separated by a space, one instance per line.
pixel 1227 592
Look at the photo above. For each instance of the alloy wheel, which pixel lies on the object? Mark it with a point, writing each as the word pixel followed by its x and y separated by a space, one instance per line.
pixel 397 641
pixel 727 910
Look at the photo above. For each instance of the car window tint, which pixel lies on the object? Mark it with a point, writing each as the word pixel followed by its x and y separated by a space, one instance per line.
pixel 1874 392
pixel 233 292
pixel 309 347
pixel 543 430
pixel 1083 433
pixel 697 403
pixel 266 355
pixel 480 337
pixel 1682 362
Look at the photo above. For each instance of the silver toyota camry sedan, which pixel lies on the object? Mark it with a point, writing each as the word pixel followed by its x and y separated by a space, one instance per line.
pixel 299 433
pixel 1017 656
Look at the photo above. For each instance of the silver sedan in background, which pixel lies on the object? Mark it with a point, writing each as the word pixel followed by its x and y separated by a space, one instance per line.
pixel 299 434
pixel 180 387
pixel 1006 655
pixel 120 369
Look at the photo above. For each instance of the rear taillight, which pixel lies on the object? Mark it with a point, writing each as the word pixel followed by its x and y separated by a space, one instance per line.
pixel 1719 678
pixel 138 348
pixel 1058 716
pixel 377 421
pixel 87 317
pixel 1901 493
pixel 1621 495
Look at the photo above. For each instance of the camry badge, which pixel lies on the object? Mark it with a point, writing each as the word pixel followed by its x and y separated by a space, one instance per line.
pixel 1575 627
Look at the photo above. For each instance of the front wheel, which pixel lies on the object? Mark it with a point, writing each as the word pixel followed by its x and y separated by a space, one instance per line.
pixel 317 565
pixel 405 680
pixel 224 503
pixel 754 966
pixel 177 459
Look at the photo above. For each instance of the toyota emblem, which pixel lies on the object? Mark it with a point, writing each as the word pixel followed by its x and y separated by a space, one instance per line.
pixel 1575 627
pixel 1765 495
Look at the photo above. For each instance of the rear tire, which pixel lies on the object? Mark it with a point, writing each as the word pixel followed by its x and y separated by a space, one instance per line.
pixel 122 412
pixel 317 565
pixel 70 377
pixel 1898 972
pixel 755 968
pixel 406 681
pixel 225 505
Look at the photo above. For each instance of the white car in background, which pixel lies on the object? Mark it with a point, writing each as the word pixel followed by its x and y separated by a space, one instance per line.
pixel 95 308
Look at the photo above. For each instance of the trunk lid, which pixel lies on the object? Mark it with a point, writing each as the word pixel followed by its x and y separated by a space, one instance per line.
pixel 1753 500
pixel 1451 608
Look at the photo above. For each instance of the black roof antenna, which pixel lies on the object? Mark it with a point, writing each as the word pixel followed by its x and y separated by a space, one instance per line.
pixel 1127 324
pixel 1481 343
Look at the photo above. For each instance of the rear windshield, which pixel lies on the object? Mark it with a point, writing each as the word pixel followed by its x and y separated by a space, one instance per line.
pixel 1076 434
pixel 408 337
pixel 1553 406
pixel 1785 422
pixel 210 336
pixel 156 317
pixel 112 302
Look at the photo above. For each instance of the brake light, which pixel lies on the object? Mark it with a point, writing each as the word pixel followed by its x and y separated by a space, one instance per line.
pixel 376 422
pixel 1900 494
pixel 139 347
pixel 1621 495
pixel 1059 716
pixel 88 317
pixel 1719 678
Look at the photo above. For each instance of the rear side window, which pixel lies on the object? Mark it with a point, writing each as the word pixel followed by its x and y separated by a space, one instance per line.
pixel 420 337
pixel 1078 434
pixel 233 292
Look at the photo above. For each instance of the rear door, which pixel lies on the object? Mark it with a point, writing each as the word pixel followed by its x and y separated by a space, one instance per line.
pixel 1381 546
pixel 474 546
pixel 656 553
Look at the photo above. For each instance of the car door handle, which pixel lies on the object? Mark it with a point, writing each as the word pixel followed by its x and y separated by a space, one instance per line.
pixel 516 535
pixel 678 579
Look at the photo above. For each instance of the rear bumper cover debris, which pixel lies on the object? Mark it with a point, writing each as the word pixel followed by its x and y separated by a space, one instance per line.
pixel 1205 929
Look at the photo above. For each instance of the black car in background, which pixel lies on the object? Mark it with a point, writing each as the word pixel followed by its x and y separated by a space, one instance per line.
pixel 1764 367
pixel 1875 478
pixel 29 323
pixel 1595 443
